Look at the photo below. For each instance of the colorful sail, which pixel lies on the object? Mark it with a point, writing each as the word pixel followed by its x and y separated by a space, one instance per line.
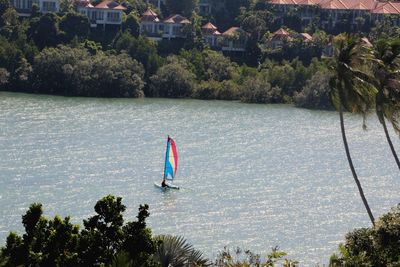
pixel 171 160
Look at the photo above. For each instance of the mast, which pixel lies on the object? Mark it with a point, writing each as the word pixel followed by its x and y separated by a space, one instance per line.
pixel 166 156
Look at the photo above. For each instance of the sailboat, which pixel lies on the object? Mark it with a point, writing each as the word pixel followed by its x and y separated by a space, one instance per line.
pixel 170 166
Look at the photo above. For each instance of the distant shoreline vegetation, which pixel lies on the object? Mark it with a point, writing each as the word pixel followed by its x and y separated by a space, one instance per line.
pixel 81 70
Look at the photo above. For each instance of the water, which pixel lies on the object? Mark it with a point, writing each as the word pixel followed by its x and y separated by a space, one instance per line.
pixel 254 176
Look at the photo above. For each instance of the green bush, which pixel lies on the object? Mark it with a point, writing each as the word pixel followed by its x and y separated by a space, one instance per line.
pixel 104 238
pixel 73 71
pixel 172 80
pixel 225 90
pixel 376 246
pixel 259 90
pixel 315 94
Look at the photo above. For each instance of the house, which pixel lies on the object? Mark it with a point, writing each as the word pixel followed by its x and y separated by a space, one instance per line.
pixel 306 38
pixel 151 26
pixel 281 36
pixel 105 13
pixel 173 26
pixel 334 11
pixel 234 40
pixel 210 34
pixel 170 28
pixel 278 38
pixel 24 7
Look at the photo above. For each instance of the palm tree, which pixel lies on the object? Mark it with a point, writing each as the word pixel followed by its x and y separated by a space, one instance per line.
pixel 386 65
pixel 349 91
pixel 175 251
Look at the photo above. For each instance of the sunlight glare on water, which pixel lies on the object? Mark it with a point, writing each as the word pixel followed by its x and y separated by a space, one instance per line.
pixel 254 176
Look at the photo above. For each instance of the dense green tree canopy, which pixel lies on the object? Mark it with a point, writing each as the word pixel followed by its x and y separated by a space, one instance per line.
pixel 73 71
pixel 172 80
pixel 183 7
pixel 74 24
pixel 104 238
pixel 132 23
pixel 44 30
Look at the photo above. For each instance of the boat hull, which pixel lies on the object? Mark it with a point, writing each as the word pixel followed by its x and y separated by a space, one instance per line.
pixel 169 186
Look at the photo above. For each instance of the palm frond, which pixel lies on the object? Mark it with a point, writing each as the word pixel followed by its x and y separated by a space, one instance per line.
pixel 175 251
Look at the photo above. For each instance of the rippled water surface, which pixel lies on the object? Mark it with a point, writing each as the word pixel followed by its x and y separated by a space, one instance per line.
pixel 254 176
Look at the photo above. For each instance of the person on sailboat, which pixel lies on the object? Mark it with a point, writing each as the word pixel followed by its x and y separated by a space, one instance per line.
pixel 163 183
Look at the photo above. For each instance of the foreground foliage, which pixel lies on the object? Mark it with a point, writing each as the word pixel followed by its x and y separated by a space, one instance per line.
pixel 57 242
pixel 375 246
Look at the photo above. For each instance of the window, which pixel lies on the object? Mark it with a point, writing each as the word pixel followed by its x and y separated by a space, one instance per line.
pixel 48 6
pixel 18 4
pixel 176 30
pixel 114 17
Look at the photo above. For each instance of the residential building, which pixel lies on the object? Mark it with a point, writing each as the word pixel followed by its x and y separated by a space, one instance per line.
pixel 234 40
pixel 151 26
pixel 334 11
pixel 281 36
pixel 211 34
pixel 170 28
pixel 278 38
pixel 173 26
pixel 24 7
pixel 105 13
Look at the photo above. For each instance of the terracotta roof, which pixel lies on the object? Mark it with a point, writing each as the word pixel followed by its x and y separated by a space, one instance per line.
pixel 359 6
pixel 210 26
pixel 308 2
pixel 284 2
pixel 108 4
pixel 232 31
pixel 334 4
pixel 373 6
pixel 83 3
pixel 306 37
pixel 177 19
pixel 281 34
pixel 387 8
pixel 150 16
pixel 210 29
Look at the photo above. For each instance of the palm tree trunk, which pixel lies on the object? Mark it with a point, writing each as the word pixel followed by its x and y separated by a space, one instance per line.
pixel 390 142
pixel 353 171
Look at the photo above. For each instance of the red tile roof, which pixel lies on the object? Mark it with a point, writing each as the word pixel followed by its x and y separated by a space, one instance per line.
pixel 150 16
pixel 210 26
pixel 281 32
pixel 281 35
pixel 210 29
pixel 83 3
pixel 232 31
pixel 374 6
pixel 108 4
pixel 334 4
pixel 307 2
pixel 306 37
pixel 387 8
pixel 177 19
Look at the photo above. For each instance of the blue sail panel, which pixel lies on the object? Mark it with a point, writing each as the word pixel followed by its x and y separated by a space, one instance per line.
pixel 169 171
